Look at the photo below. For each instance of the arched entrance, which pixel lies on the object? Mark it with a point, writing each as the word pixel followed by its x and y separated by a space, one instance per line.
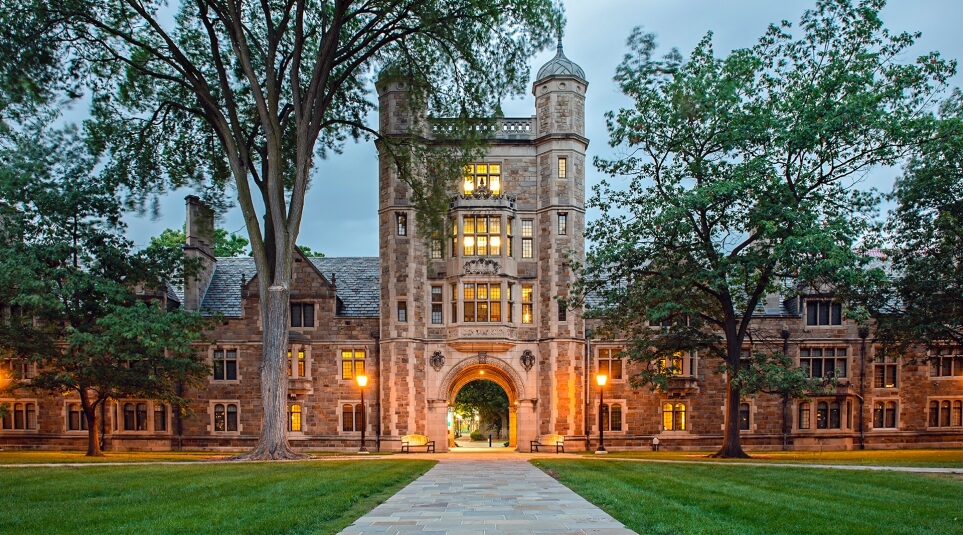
pixel 484 367
pixel 480 416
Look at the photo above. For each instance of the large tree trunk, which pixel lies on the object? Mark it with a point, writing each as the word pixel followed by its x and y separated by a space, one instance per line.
pixel 273 441
pixel 93 431
pixel 731 445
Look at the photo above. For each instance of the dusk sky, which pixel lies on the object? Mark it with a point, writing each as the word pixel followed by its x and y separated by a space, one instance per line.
pixel 340 217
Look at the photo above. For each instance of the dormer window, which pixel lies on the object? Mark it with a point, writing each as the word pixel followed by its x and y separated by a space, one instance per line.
pixel 484 177
pixel 823 312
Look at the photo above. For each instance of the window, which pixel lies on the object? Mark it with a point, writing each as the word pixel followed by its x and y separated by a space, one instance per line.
pixel 22 416
pixel 562 311
pixel 297 363
pixel 483 177
pixel 160 417
pixel 352 363
pixel 509 234
pixel 823 313
pixel 401 221
pixel 294 419
pixel 436 305
pixel 436 249
pixel 824 362
pixel 744 416
pixel 225 417
pixel 454 302
pixel 828 415
pixel 805 409
pixel 884 415
pixel 946 362
pixel 351 417
pixel 454 236
pixel 482 235
pixel 612 417
pixel 18 369
pixel 511 302
pixel 302 315
pixel 562 224
pixel 673 417
pixel 225 365
pixel 76 419
pixel 946 413
pixel 483 302
pixel 527 237
pixel 609 363
pixel 884 372
pixel 402 311
pixel 527 305
pixel 562 171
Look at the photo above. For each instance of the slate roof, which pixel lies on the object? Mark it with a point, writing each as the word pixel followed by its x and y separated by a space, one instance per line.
pixel 560 66
pixel 356 279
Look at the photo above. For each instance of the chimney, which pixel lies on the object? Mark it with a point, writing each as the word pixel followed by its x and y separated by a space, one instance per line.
pixel 200 246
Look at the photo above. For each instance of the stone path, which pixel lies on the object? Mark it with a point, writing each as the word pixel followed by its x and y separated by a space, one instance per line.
pixel 469 495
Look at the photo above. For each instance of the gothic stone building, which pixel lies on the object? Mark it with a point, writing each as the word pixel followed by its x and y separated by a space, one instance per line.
pixel 422 320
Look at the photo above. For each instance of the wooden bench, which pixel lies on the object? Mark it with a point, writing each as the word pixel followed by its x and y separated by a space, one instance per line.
pixel 548 441
pixel 417 441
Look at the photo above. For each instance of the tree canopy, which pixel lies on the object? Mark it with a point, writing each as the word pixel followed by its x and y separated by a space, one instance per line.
pixel 486 399
pixel 740 182
pixel 83 306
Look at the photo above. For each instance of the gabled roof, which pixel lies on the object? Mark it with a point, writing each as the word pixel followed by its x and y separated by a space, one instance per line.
pixel 356 279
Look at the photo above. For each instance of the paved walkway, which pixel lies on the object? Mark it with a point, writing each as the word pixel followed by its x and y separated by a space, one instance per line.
pixel 467 494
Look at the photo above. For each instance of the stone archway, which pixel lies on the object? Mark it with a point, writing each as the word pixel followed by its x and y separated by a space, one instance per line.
pixel 485 367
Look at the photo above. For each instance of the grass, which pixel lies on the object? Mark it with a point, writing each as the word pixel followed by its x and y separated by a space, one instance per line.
pixel 218 498
pixel 942 458
pixel 69 457
pixel 661 498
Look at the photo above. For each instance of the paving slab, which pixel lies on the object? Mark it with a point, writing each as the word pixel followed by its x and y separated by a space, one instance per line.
pixel 469 495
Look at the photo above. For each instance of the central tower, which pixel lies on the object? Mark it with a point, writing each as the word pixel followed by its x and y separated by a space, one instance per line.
pixel 485 302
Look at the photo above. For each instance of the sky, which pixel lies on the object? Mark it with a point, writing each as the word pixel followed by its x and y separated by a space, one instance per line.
pixel 340 217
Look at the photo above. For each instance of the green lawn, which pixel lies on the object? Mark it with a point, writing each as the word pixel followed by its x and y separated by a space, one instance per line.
pixel 61 457
pixel 942 458
pixel 675 498
pixel 220 498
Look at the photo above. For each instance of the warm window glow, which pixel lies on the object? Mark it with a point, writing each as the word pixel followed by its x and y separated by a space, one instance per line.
pixel 352 363
pixel 486 176
pixel 483 302
pixel 527 305
pixel 601 379
pixel 482 235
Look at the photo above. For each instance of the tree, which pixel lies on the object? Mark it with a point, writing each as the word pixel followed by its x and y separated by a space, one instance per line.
pixel 251 93
pixel 741 172
pixel 226 244
pixel 88 307
pixel 486 399
pixel 925 302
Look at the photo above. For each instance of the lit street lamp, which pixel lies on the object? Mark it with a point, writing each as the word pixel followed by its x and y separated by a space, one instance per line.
pixel 601 378
pixel 363 382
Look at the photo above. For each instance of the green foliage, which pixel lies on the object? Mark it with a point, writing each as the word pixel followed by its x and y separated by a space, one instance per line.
pixel 925 303
pixel 91 312
pixel 210 498
pixel 486 399
pixel 740 180
pixel 477 436
pixel 226 244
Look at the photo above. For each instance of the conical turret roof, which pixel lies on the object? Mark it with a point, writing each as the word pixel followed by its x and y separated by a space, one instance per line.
pixel 560 66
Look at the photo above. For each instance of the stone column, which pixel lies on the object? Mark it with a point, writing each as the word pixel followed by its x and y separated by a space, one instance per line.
pixel 437 425
pixel 527 423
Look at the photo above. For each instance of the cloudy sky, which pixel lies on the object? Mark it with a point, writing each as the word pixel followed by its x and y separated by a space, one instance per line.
pixel 341 211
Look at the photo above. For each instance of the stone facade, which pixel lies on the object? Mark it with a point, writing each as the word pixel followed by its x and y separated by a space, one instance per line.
pixel 421 322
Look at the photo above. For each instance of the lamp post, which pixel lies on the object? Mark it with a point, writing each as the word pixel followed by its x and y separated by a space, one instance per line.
pixel 601 378
pixel 363 382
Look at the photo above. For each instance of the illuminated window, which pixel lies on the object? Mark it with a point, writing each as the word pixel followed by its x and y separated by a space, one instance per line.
pixel 527 237
pixel 885 372
pixel 824 361
pixel 511 302
pixel 352 363
pixel 673 416
pixel 402 311
pixel 482 235
pixel 946 413
pixel 562 168
pixel 76 419
pixel 436 249
pixel 528 312
pixel 351 417
pixel 302 315
pixel 297 363
pixel 680 363
pixel 822 312
pixel 884 415
pixel 18 369
pixel 946 362
pixel 225 364
pixel 225 417
pixel 294 419
pixel 482 177
pixel 436 305
pixel 401 220
pixel 454 303
pixel 508 239
pixel 562 224
pixel 160 417
pixel 612 417
pixel 454 237
pixel 482 302
pixel 744 416
pixel 805 410
pixel 610 364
